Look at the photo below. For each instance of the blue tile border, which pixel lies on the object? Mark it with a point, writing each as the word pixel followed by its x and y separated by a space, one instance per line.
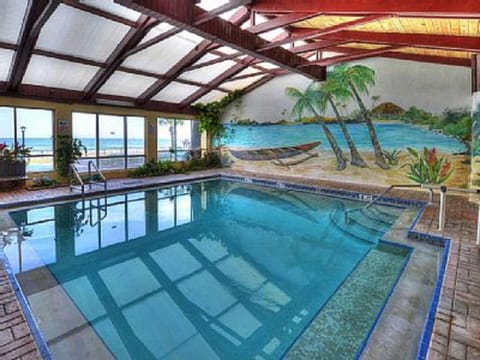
pixel 27 312
pixel 319 190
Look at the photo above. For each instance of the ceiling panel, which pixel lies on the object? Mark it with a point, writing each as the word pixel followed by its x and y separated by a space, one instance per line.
pixel 213 95
pixel 208 73
pixel 5 61
pixel 76 32
pixel 126 84
pixel 113 8
pixel 242 83
pixel 160 57
pixel 46 71
pixel 11 19
pixel 175 92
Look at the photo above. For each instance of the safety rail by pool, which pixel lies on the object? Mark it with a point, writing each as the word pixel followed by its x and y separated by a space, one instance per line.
pixel 75 175
pixel 101 182
pixel 97 179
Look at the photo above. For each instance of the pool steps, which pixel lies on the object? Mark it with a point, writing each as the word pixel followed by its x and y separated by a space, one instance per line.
pixel 369 225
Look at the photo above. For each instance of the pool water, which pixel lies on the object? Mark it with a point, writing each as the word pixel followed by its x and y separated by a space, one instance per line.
pixel 209 270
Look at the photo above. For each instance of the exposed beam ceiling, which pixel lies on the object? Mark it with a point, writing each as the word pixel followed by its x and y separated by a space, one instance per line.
pixel 432 41
pixel 305 35
pixel 280 21
pixel 234 70
pixel 207 16
pixel 37 15
pixel 131 39
pixel 183 13
pixel 439 8
pixel 411 57
pixel 360 54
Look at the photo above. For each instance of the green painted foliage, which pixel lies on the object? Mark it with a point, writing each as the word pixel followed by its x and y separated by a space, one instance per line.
pixel 428 167
pixel 209 114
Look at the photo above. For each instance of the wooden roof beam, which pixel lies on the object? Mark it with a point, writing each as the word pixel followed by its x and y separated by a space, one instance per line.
pixel 439 8
pixel 359 54
pixel 281 21
pixel 207 16
pixel 217 81
pixel 130 40
pixel 37 15
pixel 182 13
pixel 306 35
pixel 431 41
pixel 433 59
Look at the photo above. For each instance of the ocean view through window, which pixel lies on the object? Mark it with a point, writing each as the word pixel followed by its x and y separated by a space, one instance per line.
pixel 112 141
pixel 32 128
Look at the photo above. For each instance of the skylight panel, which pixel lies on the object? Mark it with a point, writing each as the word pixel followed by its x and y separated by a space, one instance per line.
pixel 242 83
pixel 160 58
pixel 5 61
pixel 268 66
pixel 211 4
pixel 111 7
pixel 175 92
pixel 76 32
pixel 213 95
pixel 11 19
pixel 46 71
pixel 157 30
pixel 208 73
pixel 205 58
pixel 126 84
pixel 227 50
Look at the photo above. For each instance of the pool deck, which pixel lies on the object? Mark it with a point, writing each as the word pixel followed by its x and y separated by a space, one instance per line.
pixel 456 333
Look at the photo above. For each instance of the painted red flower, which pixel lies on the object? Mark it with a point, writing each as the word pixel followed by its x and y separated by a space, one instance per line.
pixel 445 168
pixel 432 157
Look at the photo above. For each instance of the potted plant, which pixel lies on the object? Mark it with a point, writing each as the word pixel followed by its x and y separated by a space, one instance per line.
pixel 68 152
pixel 13 160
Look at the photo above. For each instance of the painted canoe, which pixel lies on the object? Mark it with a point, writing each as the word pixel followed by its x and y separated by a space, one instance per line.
pixel 273 153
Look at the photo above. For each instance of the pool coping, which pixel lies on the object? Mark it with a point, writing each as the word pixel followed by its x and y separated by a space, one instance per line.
pixel 427 332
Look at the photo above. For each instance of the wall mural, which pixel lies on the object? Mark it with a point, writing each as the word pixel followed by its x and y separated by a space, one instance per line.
pixel 475 178
pixel 382 144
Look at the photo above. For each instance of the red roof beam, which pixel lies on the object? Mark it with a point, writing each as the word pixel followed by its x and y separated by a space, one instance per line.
pixel 362 54
pixel 443 8
pixel 281 21
pixel 305 35
pixel 434 59
pixel 207 16
pixel 432 41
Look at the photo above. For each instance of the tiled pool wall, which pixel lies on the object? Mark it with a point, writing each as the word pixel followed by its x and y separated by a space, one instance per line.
pixel 324 191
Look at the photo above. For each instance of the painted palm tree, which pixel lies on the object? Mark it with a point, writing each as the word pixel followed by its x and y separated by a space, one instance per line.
pixel 357 79
pixel 331 92
pixel 308 101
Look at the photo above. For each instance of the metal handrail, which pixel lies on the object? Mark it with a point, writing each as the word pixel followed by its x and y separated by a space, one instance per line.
pixel 103 182
pixel 386 191
pixel 75 174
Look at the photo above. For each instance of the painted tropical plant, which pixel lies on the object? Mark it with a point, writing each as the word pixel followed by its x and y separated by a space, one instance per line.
pixel 308 101
pixel 428 167
pixel 358 78
pixel 330 91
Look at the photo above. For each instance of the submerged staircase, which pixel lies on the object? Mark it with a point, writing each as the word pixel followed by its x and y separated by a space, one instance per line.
pixel 365 224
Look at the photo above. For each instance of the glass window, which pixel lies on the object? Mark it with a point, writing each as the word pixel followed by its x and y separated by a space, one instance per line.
pixel 32 128
pixel 176 138
pixel 114 142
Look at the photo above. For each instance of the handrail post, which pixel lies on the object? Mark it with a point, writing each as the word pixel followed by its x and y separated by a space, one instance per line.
pixel 443 204
pixel 478 227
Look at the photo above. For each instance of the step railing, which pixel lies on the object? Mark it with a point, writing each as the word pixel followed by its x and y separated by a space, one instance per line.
pixel 75 175
pixel 103 180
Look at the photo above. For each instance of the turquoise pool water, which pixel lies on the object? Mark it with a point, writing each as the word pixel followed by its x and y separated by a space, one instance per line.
pixel 209 270
pixel 391 136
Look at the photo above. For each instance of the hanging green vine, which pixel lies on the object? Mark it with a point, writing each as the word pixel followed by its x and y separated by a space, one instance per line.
pixel 209 114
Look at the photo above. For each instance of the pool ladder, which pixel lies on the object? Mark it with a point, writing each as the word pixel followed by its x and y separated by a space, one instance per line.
pixel 99 180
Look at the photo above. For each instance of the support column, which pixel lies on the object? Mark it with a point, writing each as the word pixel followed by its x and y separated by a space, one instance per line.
pixel 475 73
pixel 151 128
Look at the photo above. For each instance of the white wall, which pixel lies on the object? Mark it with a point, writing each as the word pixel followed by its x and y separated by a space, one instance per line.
pixel 428 86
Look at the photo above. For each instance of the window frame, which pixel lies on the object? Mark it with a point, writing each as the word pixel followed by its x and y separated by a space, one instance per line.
pixel 97 158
